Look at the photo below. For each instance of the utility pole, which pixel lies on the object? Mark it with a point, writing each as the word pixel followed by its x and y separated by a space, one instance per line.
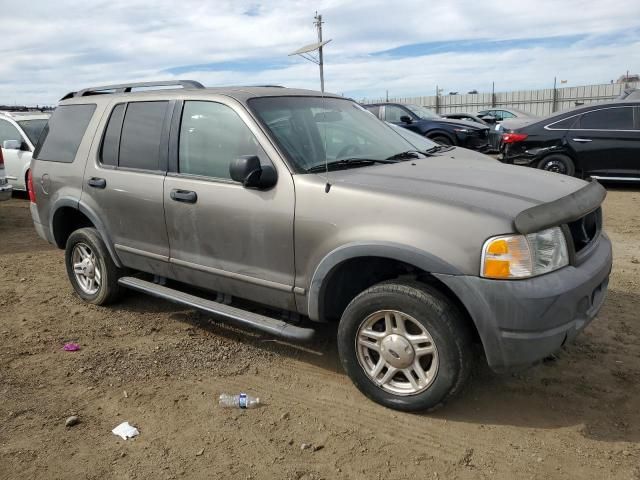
pixel 554 104
pixel 493 94
pixel 306 51
pixel 318 23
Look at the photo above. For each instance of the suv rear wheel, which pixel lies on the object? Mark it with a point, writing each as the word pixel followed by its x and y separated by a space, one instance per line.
pixel 405 345
pixel 90 268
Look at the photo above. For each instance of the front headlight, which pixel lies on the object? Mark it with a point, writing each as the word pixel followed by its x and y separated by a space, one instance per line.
pixel 524 256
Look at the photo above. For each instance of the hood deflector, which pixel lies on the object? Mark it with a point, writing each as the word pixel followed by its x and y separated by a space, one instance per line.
pixel 563 210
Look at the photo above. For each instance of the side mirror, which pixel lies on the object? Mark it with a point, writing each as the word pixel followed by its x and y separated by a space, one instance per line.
pixel 12 145
pixel 406 119
pixel 248 171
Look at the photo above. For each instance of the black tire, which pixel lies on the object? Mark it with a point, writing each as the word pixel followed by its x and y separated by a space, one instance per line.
pixel 435 312
pixel 108 291
pixel 442 140
pixel 558 163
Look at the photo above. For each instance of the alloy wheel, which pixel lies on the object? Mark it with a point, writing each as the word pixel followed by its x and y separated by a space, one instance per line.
pixel 397 352
pixel 86 269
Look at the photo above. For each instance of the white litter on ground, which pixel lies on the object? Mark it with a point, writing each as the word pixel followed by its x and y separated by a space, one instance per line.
pixel 124 431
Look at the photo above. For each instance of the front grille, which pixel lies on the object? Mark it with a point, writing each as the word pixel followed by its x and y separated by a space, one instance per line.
pixel 586 229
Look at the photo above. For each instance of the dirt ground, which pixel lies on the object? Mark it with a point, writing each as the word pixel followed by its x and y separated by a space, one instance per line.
pixel 161 367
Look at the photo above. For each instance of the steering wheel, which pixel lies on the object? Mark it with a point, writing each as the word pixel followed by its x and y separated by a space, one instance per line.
pixel 348 151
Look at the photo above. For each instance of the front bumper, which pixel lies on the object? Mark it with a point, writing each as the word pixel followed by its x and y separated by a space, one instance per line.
pixel 5 191
pixel 474 139
pixel 523 321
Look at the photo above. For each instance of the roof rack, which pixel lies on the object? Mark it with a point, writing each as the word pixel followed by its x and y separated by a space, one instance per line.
pixel 127 87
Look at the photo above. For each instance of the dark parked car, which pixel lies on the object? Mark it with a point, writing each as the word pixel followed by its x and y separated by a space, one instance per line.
pixel 599 141
pixel 495 129
pixel 425 122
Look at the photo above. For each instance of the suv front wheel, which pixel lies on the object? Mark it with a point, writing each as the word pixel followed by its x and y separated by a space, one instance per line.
pixel 405 345
pixel 90 268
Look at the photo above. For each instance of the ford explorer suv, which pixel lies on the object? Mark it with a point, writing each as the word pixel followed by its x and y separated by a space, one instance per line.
pixel 19 132
pixel 279 209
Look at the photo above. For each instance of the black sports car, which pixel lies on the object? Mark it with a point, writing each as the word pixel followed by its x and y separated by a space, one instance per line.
pixel 600 141
pixel 424 122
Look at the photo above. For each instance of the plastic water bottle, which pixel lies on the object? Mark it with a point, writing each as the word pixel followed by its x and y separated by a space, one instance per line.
pixel 238 401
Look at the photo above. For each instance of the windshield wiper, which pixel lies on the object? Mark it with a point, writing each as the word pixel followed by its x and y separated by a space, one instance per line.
pixel 346 163
pixel 439 148
pixel 407 154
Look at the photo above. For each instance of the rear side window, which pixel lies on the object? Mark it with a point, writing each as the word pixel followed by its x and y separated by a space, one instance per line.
pixel 212 135
pixel 111 142
pixel 8 132
pixel 608 119
pixel 61 137
pixel 141 135
pixel 564 124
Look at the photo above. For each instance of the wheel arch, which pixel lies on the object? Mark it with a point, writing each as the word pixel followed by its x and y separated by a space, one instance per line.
pixel 437 132
pixel 347 271
pixel 345 256
pixel 70 215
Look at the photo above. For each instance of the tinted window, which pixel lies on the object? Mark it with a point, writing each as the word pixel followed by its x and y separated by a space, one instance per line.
pixel 33 128
pixel 211 136
pixel 111 142
pixel 141 135
pixel 393 113
pixel 608 119
pixel 565 124
pixel 504 114
pixel 8 132
pixel 61 137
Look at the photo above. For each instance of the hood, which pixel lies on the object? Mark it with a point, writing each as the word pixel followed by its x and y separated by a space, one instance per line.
pixel 457 178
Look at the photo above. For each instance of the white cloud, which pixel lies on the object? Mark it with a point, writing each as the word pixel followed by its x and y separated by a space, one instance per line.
pixel 49 48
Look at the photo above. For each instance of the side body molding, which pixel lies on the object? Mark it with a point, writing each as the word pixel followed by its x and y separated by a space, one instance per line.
pixel 391 250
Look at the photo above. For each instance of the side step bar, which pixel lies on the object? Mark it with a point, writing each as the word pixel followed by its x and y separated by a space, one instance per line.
pixel 238 316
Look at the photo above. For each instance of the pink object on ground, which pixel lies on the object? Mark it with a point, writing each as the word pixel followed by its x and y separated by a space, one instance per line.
pixel 71 347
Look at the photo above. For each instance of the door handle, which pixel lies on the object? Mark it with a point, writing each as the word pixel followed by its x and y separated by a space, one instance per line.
pixel 97 182
pixel 185 196
pixel 582 140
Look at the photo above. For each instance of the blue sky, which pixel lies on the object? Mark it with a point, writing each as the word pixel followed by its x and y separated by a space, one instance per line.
pixel 406 47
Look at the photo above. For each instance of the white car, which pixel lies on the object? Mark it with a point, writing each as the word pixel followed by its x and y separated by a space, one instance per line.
pixel 19 134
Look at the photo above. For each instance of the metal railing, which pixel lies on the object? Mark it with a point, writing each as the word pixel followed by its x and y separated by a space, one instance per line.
pixel 537 102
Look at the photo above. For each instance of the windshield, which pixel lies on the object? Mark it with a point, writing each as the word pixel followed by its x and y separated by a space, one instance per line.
pixel 313 130
pixel 419 142
pixel 33 128
pixel 422 112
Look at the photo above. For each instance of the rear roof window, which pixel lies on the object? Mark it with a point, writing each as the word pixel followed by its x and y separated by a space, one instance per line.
pixel 61 137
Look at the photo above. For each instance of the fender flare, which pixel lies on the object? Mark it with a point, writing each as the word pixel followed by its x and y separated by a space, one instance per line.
pixel 92 216
pixel 391 250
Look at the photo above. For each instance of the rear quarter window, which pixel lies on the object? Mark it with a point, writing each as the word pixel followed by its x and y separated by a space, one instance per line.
pixel 565 124
pixel 61 137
